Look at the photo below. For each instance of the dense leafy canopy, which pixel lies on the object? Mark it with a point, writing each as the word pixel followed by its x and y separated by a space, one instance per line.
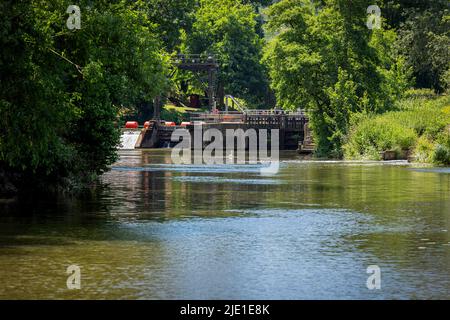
pixel 227 28
pixel 61 90
pixel 326 60
pixel 172 19
pixel 424 39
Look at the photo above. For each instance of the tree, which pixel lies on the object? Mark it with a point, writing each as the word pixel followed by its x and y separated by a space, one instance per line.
pixel 172 18
pixel 61 90
pixel 227 28
pixel 424 39
pixel 124 66
pixel 34 105
pixel 396 12
pixel 324 58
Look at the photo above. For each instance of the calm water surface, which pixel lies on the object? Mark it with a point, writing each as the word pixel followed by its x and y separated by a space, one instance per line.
pixel 155 230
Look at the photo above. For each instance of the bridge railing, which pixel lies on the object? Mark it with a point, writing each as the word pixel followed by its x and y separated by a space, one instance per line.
pixel 217 117
pixel 275 112
pixel 255 118
pixel 280 121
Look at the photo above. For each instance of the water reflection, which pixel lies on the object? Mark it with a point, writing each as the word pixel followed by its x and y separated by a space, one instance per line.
pixel 157 230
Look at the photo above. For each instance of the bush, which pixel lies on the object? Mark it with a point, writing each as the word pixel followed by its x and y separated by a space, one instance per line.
pixel 423 152
pixel 418 123
pixel 441 154
pixel 425 114
pixel 373 135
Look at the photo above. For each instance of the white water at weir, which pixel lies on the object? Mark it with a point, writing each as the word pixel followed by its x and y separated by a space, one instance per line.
pixel 128 140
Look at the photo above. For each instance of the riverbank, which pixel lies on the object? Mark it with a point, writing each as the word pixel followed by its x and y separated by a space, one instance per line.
pixel 419 129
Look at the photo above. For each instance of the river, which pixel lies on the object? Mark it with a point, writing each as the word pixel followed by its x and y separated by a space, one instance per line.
pixel 155 230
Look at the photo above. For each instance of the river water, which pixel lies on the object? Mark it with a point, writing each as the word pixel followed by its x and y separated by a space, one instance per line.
pixel 155 230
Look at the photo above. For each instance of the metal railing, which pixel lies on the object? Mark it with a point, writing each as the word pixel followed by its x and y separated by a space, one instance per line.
pixel 280 121
pixel 275 112
pixel 256 118
pixel 235 104
pixel 217 117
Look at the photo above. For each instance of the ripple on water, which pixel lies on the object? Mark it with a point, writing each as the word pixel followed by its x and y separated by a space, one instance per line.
pixel 215 179
pixel 432 170
pixel 217 168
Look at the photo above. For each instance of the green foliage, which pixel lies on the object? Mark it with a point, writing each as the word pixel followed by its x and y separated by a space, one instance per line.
pixel 325 59
pixel 424 115
pixel 123 66
pixel 396 12
pixel 424 149
pixel 445 80
pixel 418 125
pixel 34 106
pixel 342 97
pixel 424 39
pixel 176 114
pixel 60 90
pixel 227 28
pixel 375 134
pixel 441 153
pixel 173 115
pixel 172 19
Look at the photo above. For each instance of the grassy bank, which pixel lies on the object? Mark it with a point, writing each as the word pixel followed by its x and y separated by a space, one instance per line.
pixel 419 128
pixel 171 112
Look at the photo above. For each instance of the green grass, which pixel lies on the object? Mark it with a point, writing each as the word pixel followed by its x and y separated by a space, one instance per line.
pixel 173 108
pixel 419 125
pixel 171 112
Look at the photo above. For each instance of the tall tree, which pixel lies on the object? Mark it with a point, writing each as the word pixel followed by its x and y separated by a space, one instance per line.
pixel 61 89
pixel 424 39
pixel 325 59
pixel 172 18
pixel 227 28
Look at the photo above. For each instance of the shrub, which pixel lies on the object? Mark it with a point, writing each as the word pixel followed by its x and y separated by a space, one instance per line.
pixel 441 154
pixel 423 152
pixel 424 113
pixel 373 135
pixel 419 122
pixel 60 91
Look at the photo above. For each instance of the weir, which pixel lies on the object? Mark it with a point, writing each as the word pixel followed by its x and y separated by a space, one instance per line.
pixel 129 139
pixel 292 126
